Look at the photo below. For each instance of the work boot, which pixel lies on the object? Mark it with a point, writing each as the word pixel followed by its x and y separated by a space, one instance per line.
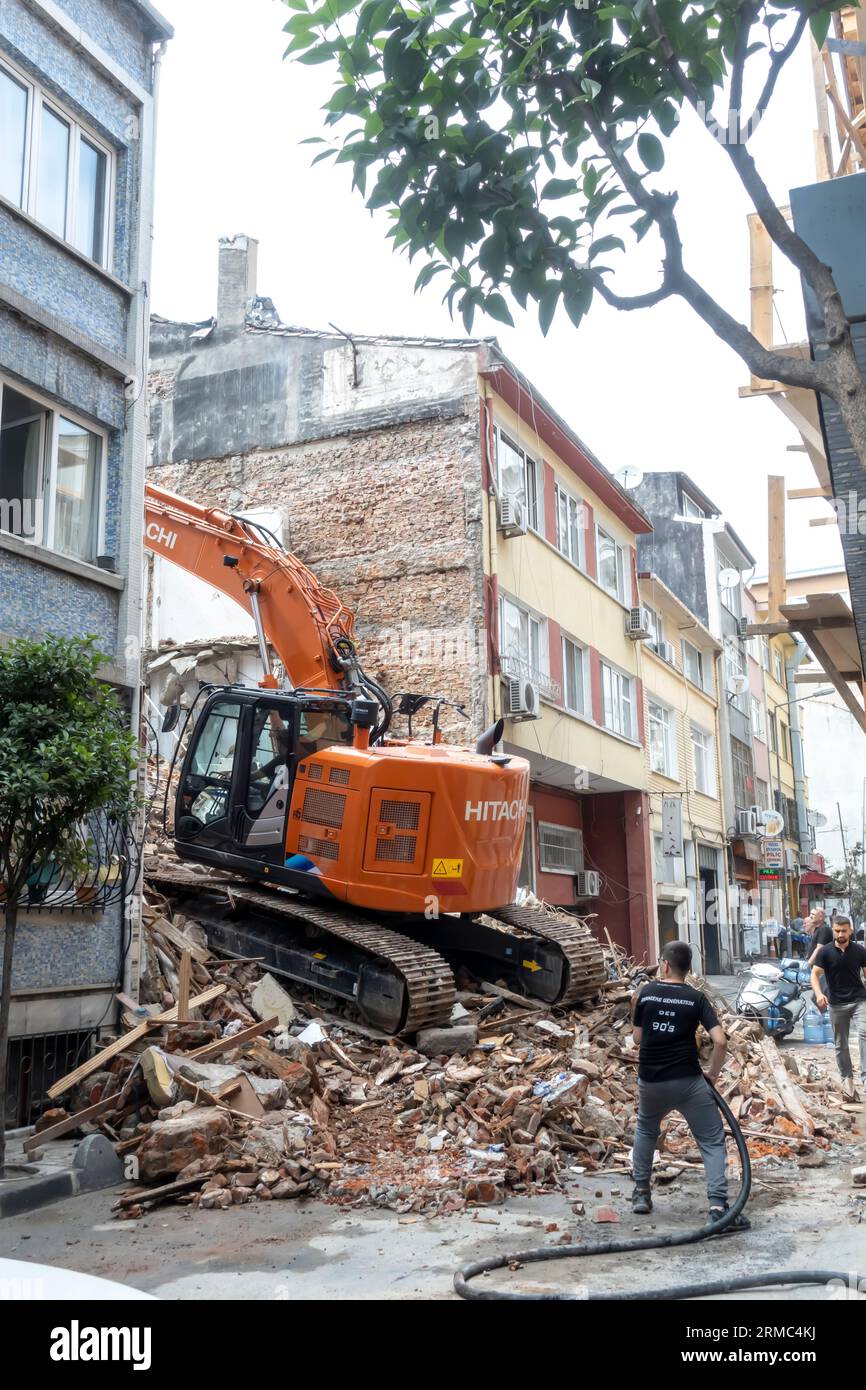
pixel 740 1223
pixel 641 1201
pixel 848 1088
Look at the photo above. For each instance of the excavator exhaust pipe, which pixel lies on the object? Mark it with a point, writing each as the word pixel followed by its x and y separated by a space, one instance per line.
pixel 489 739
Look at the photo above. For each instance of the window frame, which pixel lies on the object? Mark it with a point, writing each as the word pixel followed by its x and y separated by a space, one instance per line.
pixel 692 509
pixel 585 711
pixel 529 840
pixel 730 599
pixel 621 559
pixel 666 862
pixel 709 749
pixel 48 468
pixel 569 498
pixel 535 512
pixel 575 830
pixel 669 726
pixel 686 645
pixel 778 668
pixel 39 99
pixel 617 675
pixel 759 729
pixel 530 673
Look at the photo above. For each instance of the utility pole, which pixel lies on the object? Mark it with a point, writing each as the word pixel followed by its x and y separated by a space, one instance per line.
pixel 844 854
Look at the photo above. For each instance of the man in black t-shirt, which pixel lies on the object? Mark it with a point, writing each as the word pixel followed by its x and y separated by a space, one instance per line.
pixel 667 1015
pixel 817 923
pixel 843 962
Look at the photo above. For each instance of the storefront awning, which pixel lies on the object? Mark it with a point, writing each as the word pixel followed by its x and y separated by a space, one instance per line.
pixel 811 878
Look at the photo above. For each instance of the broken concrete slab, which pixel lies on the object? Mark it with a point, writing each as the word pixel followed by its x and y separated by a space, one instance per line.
pixel 269 999
pixel 444 1042
pixel 172 1144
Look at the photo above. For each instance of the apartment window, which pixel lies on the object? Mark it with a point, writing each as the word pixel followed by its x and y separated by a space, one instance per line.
pixel 53 168
pixel 662 739
pixel 518 475
pixel 656 626
pixel 732 598
pixel 693 664
pixel 570 526
pixel 784 741
pixel 735 662
pixel 765 654
pixel 758 724
pixel 574 676
pixel 704 760
pixel 51 476
pixel 792 821
pixel 777 668
pixel 612 565
pixel 665 864
pixel 772 737
pixel 527 858
pixel 762 794
pixel 560 849
pixel 744 773
pixel 691 508
pixel 13 147
pixel 618 712
pixel 524 640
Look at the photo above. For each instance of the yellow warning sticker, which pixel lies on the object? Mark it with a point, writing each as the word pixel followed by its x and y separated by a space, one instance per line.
pixel 530 965
pixel 447 868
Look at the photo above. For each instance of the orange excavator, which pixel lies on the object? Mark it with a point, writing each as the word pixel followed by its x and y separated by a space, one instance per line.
pixel 358 863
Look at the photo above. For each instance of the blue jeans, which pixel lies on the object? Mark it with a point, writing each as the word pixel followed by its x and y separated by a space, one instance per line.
pixel 691 1096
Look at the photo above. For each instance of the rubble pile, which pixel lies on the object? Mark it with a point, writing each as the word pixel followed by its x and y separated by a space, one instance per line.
pixel 260 1096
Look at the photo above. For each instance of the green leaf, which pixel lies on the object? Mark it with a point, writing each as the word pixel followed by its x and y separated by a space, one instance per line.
pixel 590 87
pixel 547 306
pixel 317 55
pixel 605 243
pixel 559 188
pixel 820 25
pixel 495 306
pixel 651 152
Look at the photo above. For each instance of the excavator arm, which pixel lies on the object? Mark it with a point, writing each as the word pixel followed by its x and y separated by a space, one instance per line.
pixel 310 630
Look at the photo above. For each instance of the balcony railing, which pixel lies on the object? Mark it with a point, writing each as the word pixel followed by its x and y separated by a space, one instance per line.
pixel 110 861
pixel 519 669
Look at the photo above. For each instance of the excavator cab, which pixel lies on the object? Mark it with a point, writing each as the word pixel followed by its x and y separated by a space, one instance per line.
pixel 237 778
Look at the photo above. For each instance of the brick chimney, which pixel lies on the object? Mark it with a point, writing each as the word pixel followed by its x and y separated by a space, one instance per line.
pixel 237 279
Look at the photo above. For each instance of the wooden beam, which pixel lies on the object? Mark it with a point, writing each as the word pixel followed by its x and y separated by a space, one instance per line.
pixel 126 1040
pixel 824 520
pixel 213 1049
pixel 183 987
pixel 847 126
pixel 92 1112
pixel 776 587
pixel 805 625
pixel 796 493
pixel 820 678
pixel 835 676
pixel 761 288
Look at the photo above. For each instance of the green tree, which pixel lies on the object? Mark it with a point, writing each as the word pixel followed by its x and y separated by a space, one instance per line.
pixel 850 882
pixel 65 751
pixel 521 144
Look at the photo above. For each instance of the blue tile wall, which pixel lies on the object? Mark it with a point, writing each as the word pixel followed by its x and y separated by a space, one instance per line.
pixel 55 368
pixel 54 954
pixel 36 599
pixel 34 266
pixel 116 27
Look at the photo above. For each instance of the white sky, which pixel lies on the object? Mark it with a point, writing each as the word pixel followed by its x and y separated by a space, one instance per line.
pixel 653 388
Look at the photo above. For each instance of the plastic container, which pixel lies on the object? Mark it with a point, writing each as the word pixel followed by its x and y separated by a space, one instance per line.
pixel 816 1025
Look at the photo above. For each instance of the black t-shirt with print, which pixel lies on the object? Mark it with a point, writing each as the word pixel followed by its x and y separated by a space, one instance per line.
pixel 669 1014
pixel 843 970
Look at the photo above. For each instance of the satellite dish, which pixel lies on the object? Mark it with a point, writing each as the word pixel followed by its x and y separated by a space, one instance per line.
pixel 629 477
pixel 772 822
pixel 738 685
pixel 729 578
pixel 818 819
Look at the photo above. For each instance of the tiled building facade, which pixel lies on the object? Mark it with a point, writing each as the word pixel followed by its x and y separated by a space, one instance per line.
pixel 78 86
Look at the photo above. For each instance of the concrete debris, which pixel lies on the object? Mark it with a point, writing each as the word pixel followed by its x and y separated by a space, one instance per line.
pixel 269 999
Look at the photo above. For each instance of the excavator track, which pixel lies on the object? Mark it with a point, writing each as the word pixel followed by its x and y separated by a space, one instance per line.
pixel 585 970
pixel 428 988
pixel 427 978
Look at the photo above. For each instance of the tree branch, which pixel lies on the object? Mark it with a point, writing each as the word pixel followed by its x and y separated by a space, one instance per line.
pixel 747 14
pixel 777 61
pixel 635 301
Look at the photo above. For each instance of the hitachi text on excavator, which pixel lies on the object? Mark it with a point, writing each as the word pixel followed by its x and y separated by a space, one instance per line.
pixel 356 862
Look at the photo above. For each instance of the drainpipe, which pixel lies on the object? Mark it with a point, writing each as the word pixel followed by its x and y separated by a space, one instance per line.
pixel 797 744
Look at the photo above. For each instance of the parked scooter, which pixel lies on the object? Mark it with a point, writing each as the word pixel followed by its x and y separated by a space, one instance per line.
pixel 776 995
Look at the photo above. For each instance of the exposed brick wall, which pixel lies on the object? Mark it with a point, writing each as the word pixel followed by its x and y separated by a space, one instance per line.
pixel 391 520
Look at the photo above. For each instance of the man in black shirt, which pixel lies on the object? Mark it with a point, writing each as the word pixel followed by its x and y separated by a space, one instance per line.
pixel 821 933
pixel 843 962
pixel 667 1015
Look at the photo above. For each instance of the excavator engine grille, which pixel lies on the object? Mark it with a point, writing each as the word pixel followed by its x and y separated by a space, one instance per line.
pixel 339 775
pixel 398 850
pixel 323 808
pixel 405 815
pixel 324 849
pixel 314 772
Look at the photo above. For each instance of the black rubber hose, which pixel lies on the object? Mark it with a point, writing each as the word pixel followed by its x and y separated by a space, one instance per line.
pixel 619 1247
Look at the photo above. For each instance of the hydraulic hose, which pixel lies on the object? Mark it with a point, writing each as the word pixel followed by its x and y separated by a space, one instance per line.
pixel 463 1277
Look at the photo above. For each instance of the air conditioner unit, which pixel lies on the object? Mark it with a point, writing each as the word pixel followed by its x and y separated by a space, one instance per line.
pixel 587 884
pixel 667 652
pixel 747 822
pixel 757 812
pixel 791 860
pixel 639 624
pixel 512 517
pixel 522 699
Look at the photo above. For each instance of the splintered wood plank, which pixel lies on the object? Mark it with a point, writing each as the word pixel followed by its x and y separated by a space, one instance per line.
pixel 126 1040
